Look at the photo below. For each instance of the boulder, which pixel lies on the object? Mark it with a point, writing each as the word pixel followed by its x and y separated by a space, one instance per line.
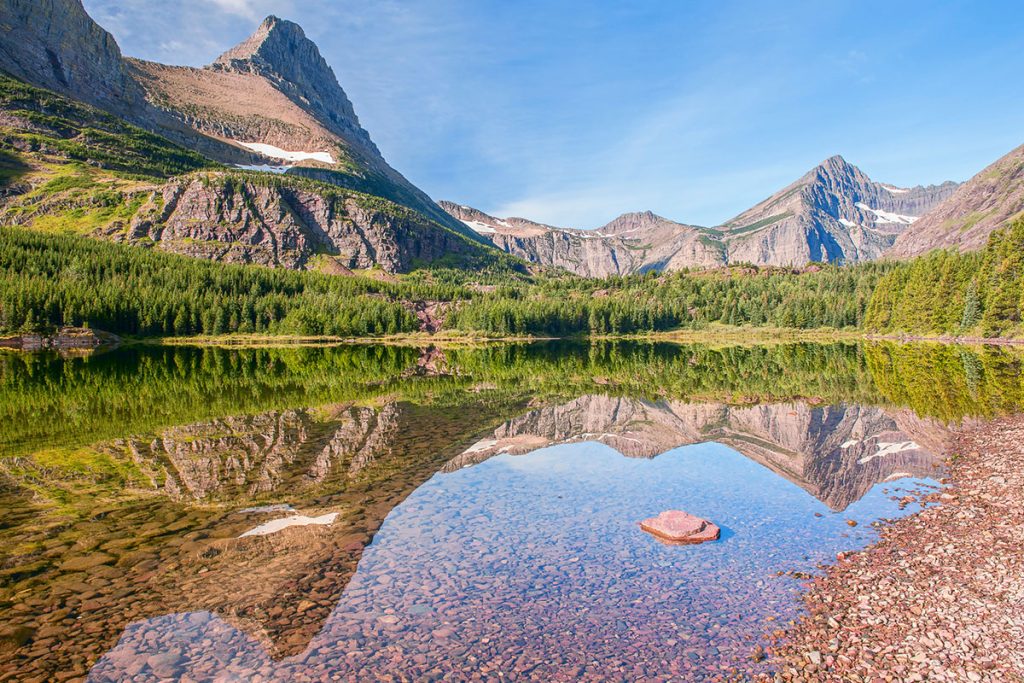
pixel 678 527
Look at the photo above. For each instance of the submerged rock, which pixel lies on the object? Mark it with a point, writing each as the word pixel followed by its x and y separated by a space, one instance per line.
pixel 676 526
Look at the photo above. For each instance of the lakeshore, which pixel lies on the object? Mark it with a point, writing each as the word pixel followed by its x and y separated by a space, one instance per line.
pixel 940 597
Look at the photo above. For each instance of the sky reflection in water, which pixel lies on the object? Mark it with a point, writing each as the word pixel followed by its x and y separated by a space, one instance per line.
pixel 534 566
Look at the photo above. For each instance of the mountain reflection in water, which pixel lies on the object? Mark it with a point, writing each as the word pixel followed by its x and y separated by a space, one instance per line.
pixel 238 541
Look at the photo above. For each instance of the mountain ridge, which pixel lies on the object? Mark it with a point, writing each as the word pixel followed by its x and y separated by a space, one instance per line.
pixel 989 201
pixel 269 103
pixel 833 213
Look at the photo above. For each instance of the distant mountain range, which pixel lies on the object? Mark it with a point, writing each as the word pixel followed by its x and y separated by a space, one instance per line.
pixel 835 213
pixel 288 176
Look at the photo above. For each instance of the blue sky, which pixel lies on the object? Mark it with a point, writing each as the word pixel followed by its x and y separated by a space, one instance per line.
pixel 574 112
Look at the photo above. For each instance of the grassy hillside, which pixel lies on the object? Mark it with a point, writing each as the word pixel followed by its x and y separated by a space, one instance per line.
pixel 68 168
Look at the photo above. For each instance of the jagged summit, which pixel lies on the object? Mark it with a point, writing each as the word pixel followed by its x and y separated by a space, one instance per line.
pixel 832 213
pixel 280 51
pixel 273 33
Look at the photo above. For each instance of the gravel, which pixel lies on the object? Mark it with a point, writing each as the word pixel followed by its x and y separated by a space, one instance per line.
pixel 940 597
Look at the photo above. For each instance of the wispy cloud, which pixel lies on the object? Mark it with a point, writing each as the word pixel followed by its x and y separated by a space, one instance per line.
pixel 571 113
pixel 244 8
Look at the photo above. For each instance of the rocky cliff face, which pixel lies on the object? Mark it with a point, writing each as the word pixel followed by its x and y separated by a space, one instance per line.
pixel 985 203
pixel 234 216
pixel 633 243
pixel 240 218
pixel 56 45
pixel 252 457
pixel 274 98
pixel 835 453
pixel 835 213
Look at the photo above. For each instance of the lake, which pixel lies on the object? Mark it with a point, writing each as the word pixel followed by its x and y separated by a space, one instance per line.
pixel 390 513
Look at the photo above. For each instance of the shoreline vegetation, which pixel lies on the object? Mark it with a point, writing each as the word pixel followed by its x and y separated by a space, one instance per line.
pixel 715 334
pixel 938 596
pixel 51 281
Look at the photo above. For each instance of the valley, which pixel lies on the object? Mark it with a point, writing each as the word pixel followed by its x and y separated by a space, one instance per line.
pixel 269 411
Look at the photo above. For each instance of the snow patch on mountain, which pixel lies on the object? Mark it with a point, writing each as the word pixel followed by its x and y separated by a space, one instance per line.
pixel 266 168
pixel 276 525
pixel 887 216
pixel 278 153
pixel 481 228
pixel 885 448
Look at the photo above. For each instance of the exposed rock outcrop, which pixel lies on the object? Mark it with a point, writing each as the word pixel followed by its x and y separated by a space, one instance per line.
pixel 985 203
pixel 632 243
pixel 274 98
pixel 835 213
pixel 251 457
pixel 271 102
pixel 56 45
pixel 242 219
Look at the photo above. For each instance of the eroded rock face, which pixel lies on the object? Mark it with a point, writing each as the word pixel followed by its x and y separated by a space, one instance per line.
pixel 676 527
pixel 835 213
pixel 985 203
pixel 275 88
pixel 251 457
pixel 56 45
pixel 231 219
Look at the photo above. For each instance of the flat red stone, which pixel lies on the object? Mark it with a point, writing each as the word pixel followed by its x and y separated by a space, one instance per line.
pixel 676 526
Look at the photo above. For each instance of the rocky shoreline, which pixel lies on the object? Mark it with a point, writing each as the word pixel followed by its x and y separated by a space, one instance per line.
pixel 66 339
pixel 940 597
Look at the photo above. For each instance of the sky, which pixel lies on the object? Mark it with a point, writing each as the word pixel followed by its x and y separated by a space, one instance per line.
pixel 571 113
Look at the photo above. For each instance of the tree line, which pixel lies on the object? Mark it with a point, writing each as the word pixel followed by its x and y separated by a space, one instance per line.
pixel 51 280
pixel 948 293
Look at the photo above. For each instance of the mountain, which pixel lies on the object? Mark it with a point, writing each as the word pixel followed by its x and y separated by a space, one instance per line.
pixel 835 213
pixel 147 165
pixel 67 167
pixel 56 45
pixel 632 243
pixel 275 97
pixel 986 202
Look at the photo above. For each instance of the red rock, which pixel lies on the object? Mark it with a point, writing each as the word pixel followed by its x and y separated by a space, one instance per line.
pixel 678 527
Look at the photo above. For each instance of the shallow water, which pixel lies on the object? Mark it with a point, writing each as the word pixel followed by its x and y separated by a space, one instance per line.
pixel 364 514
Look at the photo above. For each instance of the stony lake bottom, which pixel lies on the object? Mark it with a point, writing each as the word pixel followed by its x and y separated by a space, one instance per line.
pixel 386 513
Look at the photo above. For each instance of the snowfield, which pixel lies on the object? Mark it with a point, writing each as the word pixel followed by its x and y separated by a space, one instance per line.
pixel 278 153
pixel 887 217
pixel 262 167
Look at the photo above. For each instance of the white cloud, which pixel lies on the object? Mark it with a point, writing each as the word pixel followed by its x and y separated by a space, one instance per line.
pixel 242 8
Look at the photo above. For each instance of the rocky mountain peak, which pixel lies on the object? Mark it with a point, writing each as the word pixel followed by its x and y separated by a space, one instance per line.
pixel 636 220
pixel 836 169
pixel 983 204
pixel 280 52
pixel 274 38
